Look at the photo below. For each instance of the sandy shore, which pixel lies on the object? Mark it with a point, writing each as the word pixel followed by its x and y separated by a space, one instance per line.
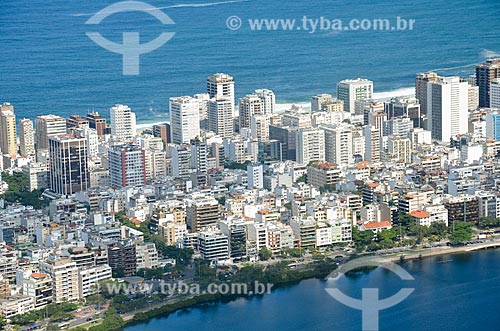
pixel 436 251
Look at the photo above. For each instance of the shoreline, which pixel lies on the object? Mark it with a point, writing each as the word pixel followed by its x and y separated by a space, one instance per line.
pixel 438 251
pixel 281 107
pixel 165 309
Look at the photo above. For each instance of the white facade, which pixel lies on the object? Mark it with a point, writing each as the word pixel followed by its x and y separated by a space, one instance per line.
pixel 26 137
pixel 447 107
pixel 220 86
pixel 399 149
pixel 48 125
pixel 64 274
pixel 255 176
pixel 122 122
pixel 310 145
pixel 338 144
pixel 89 278
pixel 269 100
pixel 372 143
pixel 259 126
pixel 184 119
pixel 146 256
pixel 495 93
pixel 220 117
pixel 249 106
pixel 351 90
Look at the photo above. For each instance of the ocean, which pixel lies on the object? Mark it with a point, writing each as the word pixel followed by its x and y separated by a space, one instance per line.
pixel 49 65
pixel 452 292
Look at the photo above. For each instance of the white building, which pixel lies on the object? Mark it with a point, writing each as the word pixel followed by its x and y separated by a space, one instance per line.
pixel 372 143
pixel 400 149
pixel 89 278
pixel 184 119
pixel 269 100
pixel 16 305
pixel 338 144
pixel 255 176
pixel 220 116
pixel 146 256
pixel 437 214
pixel 126 166
pixel 64 274
pixel 48 125
pixel 122 122
pixel 213 244
pixel 259 126
pixel 26 138
pixel 221 86
pixel 310 145
pixel 351 90
pixel 495 93
pixel 319 100
pixel 447 107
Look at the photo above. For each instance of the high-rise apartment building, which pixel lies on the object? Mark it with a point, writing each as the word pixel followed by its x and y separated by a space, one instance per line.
pixel 162 131
pixel 126 166
pixel 221 86
pixel 39 287
pixel 184 119
pixel 64 275
pixel 202 211
pixel 404 107
pixel 8 143
pixel 338 144
pixel 220 117
pixel 98 123
pixel 319 100
pixel 249 106
pixel 48 125
pixel 447 107
pixel 495 93
pixel 493 125
pixel 373 142
pixel 268 99
pixel 26 138
pixel 485 73
pixel 68 169
pixel 399 149
pixel 310 145
pixel 122 122
pixel 259 125
pixel 421 88
pixel 351 90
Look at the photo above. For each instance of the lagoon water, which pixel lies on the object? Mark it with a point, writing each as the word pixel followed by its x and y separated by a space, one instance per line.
pixel 452 292
pixel 48 65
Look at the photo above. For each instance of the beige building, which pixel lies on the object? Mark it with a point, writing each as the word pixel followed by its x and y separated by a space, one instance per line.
pixel 16 305
pixel 26 138
pixel 146 256
pixel 46 126
pixel 322 174
pixel 421 88
pixel 39 287
pixel 64 274
pixel 8 130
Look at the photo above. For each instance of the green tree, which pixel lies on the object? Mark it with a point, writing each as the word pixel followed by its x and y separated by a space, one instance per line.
pixel 18 191
pixel 462 232
pixel 265 254
pixel 3 323
pixel 489 222
pixel 362 238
